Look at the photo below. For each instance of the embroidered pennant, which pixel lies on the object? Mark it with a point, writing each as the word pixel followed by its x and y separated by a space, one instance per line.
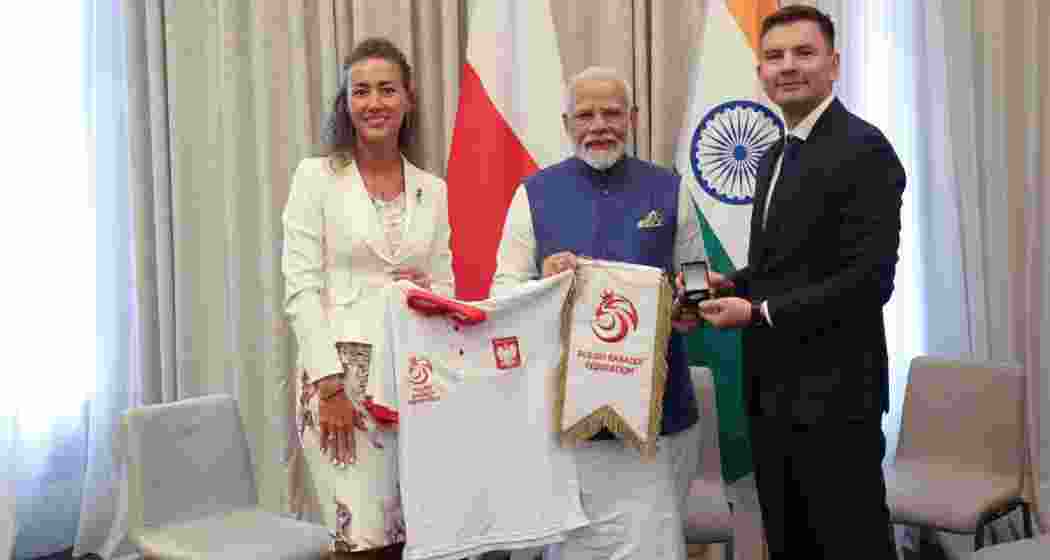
pixel 616 325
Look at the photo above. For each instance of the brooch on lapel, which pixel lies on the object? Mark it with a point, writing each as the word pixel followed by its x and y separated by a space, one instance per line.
pixel 653 219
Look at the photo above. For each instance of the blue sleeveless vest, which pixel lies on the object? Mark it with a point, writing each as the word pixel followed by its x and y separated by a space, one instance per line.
pixel 595 214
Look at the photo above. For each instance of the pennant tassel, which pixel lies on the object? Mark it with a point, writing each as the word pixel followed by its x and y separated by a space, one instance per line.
pixel 562 376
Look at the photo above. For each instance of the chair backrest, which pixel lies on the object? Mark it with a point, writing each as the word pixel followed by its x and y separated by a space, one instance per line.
pixel 710 452
pixel 964 413
pixel 186 460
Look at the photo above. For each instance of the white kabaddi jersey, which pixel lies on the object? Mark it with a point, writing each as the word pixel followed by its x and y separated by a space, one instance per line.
pixel 480 465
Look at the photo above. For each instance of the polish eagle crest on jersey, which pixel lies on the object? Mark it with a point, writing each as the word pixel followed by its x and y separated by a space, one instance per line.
pixel 508 355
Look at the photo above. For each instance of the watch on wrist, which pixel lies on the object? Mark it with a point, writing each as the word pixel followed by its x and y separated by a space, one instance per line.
pixel 757 319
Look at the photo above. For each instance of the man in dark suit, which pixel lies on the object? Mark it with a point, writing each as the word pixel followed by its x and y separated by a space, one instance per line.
pixel 825 229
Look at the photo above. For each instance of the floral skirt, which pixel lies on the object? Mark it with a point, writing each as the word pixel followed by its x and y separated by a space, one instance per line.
pixel 360 503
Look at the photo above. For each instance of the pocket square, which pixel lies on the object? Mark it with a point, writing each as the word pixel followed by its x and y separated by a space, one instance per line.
pixel 651 220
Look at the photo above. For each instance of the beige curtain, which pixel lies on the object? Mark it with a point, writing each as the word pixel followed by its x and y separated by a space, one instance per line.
pixel 1003 67
pixel 996 62
pixel 1027 79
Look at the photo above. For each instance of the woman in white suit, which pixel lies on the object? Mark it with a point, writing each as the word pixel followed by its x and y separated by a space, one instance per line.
pixel 357 220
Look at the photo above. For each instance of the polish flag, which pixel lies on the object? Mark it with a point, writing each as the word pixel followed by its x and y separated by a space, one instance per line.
pixel 508 126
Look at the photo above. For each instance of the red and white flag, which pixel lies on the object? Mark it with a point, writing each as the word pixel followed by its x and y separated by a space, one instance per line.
pixel 508 125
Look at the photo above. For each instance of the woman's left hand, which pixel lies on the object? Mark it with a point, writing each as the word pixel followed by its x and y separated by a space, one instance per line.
pixel 414 275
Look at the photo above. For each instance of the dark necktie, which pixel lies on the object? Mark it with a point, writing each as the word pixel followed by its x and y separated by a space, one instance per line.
pixel 788 172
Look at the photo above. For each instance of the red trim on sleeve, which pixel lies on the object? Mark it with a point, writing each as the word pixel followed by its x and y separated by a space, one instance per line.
pixel 382 414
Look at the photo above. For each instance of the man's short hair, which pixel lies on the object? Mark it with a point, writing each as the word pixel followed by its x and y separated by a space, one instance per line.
pixel 598 73
pixel 800 12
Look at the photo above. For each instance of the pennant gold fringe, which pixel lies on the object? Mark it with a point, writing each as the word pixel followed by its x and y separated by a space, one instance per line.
pixel 606 416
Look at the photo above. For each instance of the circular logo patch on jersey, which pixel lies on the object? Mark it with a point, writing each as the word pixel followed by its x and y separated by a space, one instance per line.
pixel 614 317
pixel 419 370
pixel 727 145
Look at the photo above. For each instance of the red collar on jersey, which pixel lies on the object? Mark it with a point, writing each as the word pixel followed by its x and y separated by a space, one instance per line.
pixel 429 303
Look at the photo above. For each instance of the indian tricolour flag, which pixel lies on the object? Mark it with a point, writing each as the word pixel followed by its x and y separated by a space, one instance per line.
pixel 729 125
pixel 508 125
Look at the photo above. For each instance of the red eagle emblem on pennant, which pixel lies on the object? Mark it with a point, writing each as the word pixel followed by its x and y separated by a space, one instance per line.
pixel 614 318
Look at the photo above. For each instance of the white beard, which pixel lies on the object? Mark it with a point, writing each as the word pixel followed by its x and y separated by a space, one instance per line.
pixel 600 159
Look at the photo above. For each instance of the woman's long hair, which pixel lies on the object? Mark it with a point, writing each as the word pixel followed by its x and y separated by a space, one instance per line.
pixel 339 134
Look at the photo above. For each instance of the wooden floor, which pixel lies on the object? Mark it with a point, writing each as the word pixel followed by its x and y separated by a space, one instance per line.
pixel 706 552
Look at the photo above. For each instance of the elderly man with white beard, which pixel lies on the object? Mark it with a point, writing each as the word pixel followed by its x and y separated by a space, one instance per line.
pixel 604 204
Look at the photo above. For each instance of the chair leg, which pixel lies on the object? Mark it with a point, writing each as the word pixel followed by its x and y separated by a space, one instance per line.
pixel 993 535
pixel 927 543
pixel 984 522
pixel 1026 513
pixel 729 550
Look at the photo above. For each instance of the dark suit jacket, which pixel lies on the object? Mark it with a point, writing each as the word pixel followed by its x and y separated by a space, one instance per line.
pixel 825 263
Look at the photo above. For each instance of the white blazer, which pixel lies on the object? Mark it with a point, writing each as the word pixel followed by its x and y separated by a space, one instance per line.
pixel 336 264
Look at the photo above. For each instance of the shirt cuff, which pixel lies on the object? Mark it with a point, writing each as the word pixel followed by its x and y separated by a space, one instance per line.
pixel 765 313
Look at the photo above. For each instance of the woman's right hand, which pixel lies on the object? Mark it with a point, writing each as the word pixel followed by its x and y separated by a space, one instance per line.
pixel 337 419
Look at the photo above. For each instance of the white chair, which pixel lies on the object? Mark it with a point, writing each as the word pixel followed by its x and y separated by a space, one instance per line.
pixel 1025 549
pixel 708 514
pixel 960 459
pixel 192 488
